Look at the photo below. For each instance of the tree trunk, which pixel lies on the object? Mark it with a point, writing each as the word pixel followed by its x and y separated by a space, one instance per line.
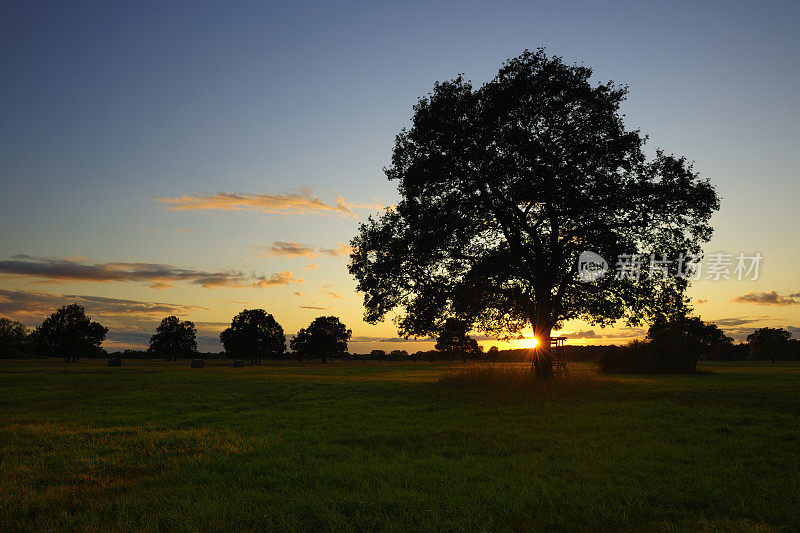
pixel 542 360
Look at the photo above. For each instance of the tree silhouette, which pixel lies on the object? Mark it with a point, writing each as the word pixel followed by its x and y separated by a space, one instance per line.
pixel 769 343
pixel 504 186
pixel 13 338
pixel 453 339
pixel 677 343
pixel 325 337
pixel 174 339
pixel 70 333
pixel 255 335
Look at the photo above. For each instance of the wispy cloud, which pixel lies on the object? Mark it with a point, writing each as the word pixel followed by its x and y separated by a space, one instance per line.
pixel 739 321
pixel 588 334
pixel 36 304
pixel 286 249
pixel 159 276
pixel 768 298
pixel 316 307
pixel 328 290
pixel 297 249
pixel 300 202
pixel 342 249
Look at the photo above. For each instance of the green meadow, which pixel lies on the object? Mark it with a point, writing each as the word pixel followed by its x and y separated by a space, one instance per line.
pixel 358 446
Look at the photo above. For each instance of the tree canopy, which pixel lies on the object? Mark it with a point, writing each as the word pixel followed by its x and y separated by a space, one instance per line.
pixel 453 339
pixel 174 339
pixel 325 337
pixel 13 338
pixel 70 333
pixel 503 187
pixel 771 343
pixel 254 334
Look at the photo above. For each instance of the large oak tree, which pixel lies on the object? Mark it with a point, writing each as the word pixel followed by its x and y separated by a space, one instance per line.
pixel 503 186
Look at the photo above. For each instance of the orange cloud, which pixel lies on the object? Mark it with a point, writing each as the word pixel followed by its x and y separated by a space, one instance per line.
pixel 297 249
pixel 342 249
pixel 767 298
pixel 286 249
pixel 301 202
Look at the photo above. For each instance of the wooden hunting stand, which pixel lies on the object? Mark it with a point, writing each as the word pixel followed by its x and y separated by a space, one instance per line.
pixel 558 351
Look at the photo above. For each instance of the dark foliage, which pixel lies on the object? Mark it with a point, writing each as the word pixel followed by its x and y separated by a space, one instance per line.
pixel 326 337
pixel 254 335
pixel 14 342
pixel 453 340
pixel 69 333
pixel 671 346
pixel 174 339
pixel 502 187
pixel 772 344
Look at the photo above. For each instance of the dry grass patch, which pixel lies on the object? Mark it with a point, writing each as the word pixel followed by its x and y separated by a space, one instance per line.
pixel 518 378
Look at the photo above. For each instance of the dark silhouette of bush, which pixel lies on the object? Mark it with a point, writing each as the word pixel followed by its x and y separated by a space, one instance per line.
pixel 397 355
pixel 198 363
pixel 114 361
pixel 671 346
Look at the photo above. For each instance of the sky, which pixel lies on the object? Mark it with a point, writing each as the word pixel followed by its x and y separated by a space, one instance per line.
pixel 199 158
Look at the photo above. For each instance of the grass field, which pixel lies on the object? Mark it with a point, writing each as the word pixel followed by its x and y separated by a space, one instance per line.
pixel 387 446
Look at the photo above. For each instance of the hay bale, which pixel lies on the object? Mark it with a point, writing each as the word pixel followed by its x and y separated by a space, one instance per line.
pixel 238 363
pixel 114 361
pixel 198 363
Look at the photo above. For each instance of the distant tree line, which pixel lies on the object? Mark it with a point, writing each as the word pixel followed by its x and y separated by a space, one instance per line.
pixel 254 335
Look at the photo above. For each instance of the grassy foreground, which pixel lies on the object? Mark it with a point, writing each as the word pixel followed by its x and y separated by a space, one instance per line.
pixel 386 446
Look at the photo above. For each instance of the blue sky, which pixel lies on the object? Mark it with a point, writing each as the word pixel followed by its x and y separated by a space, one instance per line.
pixel 109 107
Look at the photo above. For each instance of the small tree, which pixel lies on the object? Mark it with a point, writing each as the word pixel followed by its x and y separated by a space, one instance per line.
pixel 677 344
pixel 325 337
pixel 174 339
pixel 254 334
pixel 398 355
pixel 770 343
pixel 454 339
pixel 13 338
pixel 70 333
